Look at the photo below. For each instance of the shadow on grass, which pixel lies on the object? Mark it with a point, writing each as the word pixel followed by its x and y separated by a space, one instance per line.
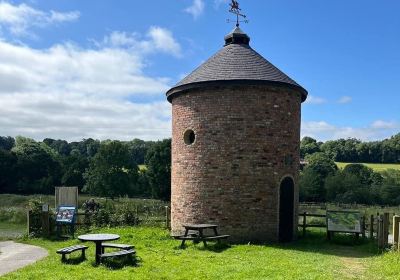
pixel 342 245
pixel 121 262
pixel 216 247
pixel 74 261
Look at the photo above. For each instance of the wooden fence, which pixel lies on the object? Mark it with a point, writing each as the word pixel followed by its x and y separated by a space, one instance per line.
pixel 304 224
pixel 43 223
pixel 377 227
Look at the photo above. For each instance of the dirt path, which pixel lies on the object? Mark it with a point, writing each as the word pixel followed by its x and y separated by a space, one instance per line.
pixel 353 262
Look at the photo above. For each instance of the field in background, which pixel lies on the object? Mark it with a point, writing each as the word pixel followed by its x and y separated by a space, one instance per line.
pixel 378 167
pixel 13 210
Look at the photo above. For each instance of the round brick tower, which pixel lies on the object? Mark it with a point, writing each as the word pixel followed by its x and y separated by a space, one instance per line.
pixel 235 145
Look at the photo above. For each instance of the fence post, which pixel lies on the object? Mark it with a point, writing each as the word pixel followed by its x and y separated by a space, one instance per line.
pixel 363 227
pixel 28 221
pixel 386 224
pixel 371 228
pixel 45 224
pixel 304 223
pixel 398 243
pixel 166 216
pixel 380 231
pixel 396 220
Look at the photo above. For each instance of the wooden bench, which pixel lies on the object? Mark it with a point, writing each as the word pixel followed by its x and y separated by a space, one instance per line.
pixel 116 246
pixel 120 253
pixel 217 237
pixel 70 249
pixel 195 232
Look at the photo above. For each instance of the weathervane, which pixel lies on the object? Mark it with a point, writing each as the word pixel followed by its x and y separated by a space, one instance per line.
pixel 236 10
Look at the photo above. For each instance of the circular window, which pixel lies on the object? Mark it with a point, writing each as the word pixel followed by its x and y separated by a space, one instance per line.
pixel 189 137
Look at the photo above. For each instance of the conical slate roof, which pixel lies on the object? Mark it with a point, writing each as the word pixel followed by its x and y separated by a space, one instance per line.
pixel 235 63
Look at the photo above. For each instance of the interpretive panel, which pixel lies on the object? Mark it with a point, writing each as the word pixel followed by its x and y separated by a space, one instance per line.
pixel 344 221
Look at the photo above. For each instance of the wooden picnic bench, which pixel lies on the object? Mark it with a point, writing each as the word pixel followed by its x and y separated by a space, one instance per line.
pixel 70 249
pixel 119 253
pixel 116 246
pixel 199 235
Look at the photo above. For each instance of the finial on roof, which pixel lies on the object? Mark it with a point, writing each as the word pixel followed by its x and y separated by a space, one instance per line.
pixel 237 11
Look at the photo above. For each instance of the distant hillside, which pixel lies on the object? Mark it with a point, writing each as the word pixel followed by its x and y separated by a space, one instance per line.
pixel 378 167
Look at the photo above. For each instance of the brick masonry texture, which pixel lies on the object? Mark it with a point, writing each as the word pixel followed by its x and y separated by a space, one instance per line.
pixel 231 174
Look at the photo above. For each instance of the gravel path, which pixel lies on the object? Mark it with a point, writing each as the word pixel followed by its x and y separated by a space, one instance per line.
pixel 16 255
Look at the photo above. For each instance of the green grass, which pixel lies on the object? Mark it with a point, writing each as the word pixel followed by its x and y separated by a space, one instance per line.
pixel 159 257
pixel 378 167
pixel 11 230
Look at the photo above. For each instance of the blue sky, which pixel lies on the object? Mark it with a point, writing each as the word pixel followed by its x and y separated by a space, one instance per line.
pixel 76 69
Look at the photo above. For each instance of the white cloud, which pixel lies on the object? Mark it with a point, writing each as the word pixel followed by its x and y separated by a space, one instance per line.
pixel 379 124
pixel 159 40
pixel 18 19
pixel 323 131
pixel 196 9
pixel 345 100
pixel 163 40
pixel 218 3
pixel 73 93
pixel 62 17
pixel 315 100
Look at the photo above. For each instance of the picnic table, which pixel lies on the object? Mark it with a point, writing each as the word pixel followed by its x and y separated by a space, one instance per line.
pixel 199 236
pixel 98 239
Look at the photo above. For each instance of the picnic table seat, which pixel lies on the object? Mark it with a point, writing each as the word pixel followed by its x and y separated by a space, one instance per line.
pixel 116 246
pixel 120 253
pixel 196 237
pixel 70 249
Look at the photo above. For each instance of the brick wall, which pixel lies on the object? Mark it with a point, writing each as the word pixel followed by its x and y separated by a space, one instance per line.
pixel 247 141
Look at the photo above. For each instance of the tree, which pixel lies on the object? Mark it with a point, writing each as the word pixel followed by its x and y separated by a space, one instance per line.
pixel 6 143
pixel 311 186
pixel 8 162
pixel 112 172
pixel 363 172
pixel 60 146
pixel 74 166
pixel 158 161
pixel 138 149
pixel 38 167
pixel 308 146
pixel 321 164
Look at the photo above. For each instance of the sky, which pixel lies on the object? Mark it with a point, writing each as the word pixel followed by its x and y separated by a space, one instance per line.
pixel 73 69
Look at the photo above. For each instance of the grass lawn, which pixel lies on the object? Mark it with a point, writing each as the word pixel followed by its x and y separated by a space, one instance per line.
pixel 10 230
pixel 159 257
pixel 378 167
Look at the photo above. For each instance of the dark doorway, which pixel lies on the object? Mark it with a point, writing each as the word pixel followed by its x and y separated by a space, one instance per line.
pixel 286 210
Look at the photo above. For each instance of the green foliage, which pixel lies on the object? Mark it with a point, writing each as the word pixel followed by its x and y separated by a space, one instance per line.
pixel 37 166
pixel 311 186
pixel 74 167
pixel 8 171
pixel 353 150
pixel 6 143
pixel 158 161
pixel 12 215
pixel 125 215
pixel 138 149
pixel 309 146
pixel 365 174
pixel 112 172
pixel 321 164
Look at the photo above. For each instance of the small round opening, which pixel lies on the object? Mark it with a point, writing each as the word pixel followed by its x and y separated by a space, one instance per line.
pixel 189 137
